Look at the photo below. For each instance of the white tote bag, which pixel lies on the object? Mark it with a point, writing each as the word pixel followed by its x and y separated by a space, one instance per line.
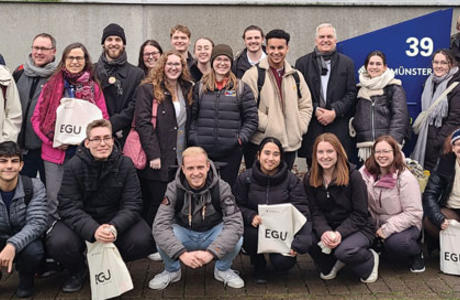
pixel 280 222
pixel 108 273
pixel 449 242
pixel 72 117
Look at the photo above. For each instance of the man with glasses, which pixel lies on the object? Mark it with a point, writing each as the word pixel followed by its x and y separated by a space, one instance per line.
pixel 30 78
pixel 119 80
pixel 99 200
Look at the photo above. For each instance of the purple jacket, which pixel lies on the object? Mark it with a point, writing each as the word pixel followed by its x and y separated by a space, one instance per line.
pixel 394 201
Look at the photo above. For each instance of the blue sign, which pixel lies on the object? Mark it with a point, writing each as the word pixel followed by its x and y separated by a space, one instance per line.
pixel 408 47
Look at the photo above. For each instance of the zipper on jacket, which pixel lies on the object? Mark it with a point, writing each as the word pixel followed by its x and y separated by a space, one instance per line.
pixel 372 120
pixel 216 110
pixel 267 191
pixel 380 199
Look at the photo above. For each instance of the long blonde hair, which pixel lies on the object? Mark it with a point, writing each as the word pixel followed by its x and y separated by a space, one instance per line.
pixel 157 77
pixel 209 81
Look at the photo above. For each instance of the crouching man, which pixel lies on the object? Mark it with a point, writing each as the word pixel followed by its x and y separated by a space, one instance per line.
pixel 99 200
pixel 23 219
pixel 197 222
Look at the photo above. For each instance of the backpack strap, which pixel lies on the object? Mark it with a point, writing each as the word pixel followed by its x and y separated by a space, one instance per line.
pixel 297 83
pixel 154 112
pixel 260 81
pixel 28 189
pixel 18 73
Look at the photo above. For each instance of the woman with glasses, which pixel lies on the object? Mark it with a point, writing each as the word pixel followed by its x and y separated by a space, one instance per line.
pixel 202 51
pixel 224 114
pixel 381 105
pixel 441 104
pixel 394 202
pixel 149 54
pixel 170 86
pixel 74 78
pixel 342 227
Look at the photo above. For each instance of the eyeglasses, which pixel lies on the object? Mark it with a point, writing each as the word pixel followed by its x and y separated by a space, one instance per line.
pixel 147 55
pixel 77 58
pixel 43 49
pixel 387 151
pixel 171 65
pixel 99 140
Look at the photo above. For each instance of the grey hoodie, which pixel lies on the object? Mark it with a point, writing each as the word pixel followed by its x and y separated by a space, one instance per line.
pixel 167 216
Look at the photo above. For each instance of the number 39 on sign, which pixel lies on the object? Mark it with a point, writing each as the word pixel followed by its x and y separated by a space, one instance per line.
pixel 424 46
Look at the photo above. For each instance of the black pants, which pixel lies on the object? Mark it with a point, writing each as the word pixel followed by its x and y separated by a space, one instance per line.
pixel 229 172
pixel 28 259
pixel 33 164
pixel 153 192
pixel 279 262
pixel 65 246
pixel 352 251
pixel 250 153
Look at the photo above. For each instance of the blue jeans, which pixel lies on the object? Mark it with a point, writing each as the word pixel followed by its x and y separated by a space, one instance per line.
pixel 195 240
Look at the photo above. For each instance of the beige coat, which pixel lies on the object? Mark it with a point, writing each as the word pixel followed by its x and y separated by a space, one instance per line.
pixel 10 109
pixel 282 116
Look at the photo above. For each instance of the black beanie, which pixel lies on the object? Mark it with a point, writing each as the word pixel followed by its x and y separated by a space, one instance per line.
pixel 113 29
pixel 222 49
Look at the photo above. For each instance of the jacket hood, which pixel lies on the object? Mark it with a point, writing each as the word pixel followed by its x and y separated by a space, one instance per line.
pixel 211 180
pixel 274 179
pixel 85 155
pixel 5 76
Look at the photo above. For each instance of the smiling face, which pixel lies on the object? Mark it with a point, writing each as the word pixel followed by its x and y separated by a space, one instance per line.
pixel 75 61
pixel 203 50
pixel 375 67
pixel 277 50
pixel 441 65
pixel 326 156
pixel 100 143
pixel 221 65
pixel 10 168
pixel 113 47
pixel 384 155
pixel 325 39
pixel 195 168
pixel 42 51
pixel 253 40
pixel 150 55
pixel 180 41
pixel 173 67
pixel 269 158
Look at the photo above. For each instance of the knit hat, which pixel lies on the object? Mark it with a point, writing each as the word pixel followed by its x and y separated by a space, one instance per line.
pixel 221 49
pixel 455 136
pixel 113 29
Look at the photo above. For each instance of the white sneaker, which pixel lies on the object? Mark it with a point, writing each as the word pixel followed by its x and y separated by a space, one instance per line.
pixel 155 256
pixel 375 270
pixel 333 273
pixel 163 279
pixel 229 277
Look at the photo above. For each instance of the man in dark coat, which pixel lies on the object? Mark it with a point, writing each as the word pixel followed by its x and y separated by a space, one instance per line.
pixel 119 80
pixel 254 52
pixel 455 42
pixel 99 200
pixel 330 77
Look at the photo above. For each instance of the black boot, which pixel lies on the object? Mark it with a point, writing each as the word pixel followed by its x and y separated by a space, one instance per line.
pixel 75 282
pixel 26 285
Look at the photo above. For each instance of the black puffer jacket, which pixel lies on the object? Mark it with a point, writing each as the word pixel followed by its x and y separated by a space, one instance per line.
pixel 341 208
pixel 98 192
pixel 160 142
pixel 254 187
pixel 385 114
pixel 437 135
pixel 438 189
pixel 219 118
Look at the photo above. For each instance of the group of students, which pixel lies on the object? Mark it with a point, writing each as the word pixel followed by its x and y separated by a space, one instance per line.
pixel 174 101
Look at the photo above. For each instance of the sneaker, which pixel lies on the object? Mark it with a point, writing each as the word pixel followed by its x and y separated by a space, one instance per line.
pixel 333 273
pixel 375 269
pixel 26 286
pixel 229 277
pixel 418 264
pixel 75 282
pixel 162 280
pixel 155 256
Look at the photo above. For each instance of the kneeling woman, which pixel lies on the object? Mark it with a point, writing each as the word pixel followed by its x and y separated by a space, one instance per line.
pixel 270 182
pixel 394 202
pixel 342 227
pixel 441 199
